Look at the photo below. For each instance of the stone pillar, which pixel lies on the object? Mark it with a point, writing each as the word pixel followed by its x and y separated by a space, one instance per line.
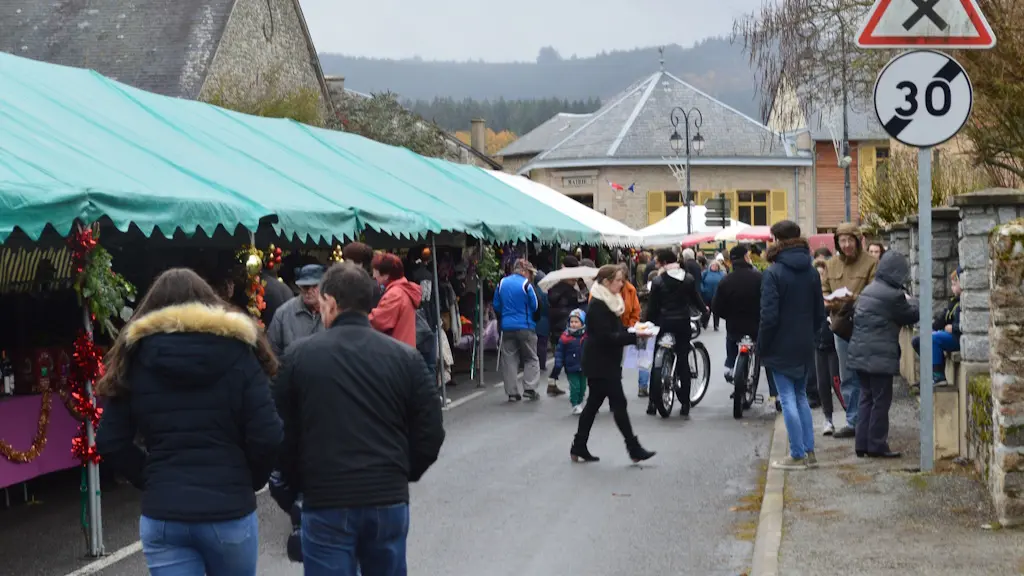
pixel 945 252
pixel 1006 359
pixel 899 239
pixel 980 213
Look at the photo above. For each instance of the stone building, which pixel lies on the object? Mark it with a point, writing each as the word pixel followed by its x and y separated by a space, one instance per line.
pixel 194 49
pixel 626 142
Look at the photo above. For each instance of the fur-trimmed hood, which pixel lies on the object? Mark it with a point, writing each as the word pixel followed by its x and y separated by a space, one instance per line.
pixel 848 229
pixel 196 318
pixel 192 345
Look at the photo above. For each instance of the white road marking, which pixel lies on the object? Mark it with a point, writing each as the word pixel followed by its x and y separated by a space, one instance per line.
pixel 126 552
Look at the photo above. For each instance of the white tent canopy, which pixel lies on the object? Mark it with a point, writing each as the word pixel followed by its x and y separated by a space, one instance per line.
pixel 613 232
pixel 671 230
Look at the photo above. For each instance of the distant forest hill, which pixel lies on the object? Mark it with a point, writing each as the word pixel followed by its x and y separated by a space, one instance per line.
pixel 714 65
pixel 516 116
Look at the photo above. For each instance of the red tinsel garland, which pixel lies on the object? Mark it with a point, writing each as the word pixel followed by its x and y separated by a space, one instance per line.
pixel 87 360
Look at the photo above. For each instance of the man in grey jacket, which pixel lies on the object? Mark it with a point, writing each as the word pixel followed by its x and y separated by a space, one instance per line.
pixel 882 309
pixel 300 316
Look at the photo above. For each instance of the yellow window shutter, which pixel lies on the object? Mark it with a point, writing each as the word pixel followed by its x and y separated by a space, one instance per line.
pixel 778 209
pixel 704 195
pixel 655 206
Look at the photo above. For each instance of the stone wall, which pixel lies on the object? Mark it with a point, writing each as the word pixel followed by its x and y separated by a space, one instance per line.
pixel 904 238
pixel 980 213
pixel 1006 358
pixel 264 47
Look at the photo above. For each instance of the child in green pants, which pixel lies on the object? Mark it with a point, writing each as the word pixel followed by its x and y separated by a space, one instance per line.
pixel 569 354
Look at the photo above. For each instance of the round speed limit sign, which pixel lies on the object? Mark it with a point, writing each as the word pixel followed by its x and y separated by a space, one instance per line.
pixel 923 98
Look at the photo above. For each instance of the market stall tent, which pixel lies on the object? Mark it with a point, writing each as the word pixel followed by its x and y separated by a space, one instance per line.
pixel 671 230
pixel 77 146
pixel 613 232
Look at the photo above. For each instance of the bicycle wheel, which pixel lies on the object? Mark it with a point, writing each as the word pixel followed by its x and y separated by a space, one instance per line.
pixel 663 393
pixel 751 391
pixel 700 371
pixel 740 386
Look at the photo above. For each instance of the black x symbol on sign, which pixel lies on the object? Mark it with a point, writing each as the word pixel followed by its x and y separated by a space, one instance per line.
pixel 925 9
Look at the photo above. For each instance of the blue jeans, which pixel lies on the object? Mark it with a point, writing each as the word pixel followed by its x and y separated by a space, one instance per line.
pixel 849 383
pixel 340 541
pixel 196 548
pixel 942 342
pixel 796 413
pixel 644 379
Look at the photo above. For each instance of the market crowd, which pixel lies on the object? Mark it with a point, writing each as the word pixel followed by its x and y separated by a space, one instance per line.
pixel 335 404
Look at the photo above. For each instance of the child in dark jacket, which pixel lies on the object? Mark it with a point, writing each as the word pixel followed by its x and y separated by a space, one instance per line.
pixel 569 354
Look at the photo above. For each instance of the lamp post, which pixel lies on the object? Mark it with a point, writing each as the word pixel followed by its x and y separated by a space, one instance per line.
pixel 680 143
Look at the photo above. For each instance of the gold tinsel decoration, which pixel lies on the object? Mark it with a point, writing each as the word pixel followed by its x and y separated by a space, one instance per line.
pixel 38 443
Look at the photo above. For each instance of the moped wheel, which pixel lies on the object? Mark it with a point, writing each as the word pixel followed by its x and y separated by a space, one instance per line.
pixel 663 393
pixel 739 382
pixel 752 382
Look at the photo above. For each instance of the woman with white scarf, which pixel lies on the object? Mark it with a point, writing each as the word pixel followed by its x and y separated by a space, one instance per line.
pixel 602 364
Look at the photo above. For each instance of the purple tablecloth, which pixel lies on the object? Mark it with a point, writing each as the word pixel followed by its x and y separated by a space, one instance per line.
pixel 19 417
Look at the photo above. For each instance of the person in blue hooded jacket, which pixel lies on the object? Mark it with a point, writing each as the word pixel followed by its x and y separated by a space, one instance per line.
pixel 710 279
pixel 516 306
pixel 792 311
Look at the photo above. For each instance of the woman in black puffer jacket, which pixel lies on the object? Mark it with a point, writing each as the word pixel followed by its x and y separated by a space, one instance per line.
pixel 602 364
pixel 881 310
pixel 191 378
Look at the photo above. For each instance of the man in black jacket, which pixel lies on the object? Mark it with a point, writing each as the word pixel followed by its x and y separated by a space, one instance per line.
pixel 738 301
pixel 673 299
pixel 362 419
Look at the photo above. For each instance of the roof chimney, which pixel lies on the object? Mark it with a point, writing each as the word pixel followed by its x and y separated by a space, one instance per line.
pixel 478 135
pixel 336 84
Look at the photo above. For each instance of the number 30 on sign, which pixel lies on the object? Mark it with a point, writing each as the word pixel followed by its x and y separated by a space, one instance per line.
pixel 923 98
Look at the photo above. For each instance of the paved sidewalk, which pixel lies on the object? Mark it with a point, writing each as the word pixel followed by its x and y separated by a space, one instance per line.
pixel 882 517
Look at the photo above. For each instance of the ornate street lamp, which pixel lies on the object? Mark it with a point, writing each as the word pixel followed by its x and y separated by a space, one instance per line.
pixel 685 143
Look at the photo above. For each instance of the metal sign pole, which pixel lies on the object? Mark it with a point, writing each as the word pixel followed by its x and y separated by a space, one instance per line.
pixel 924 274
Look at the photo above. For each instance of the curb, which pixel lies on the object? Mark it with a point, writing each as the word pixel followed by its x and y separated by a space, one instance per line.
pixel 768 539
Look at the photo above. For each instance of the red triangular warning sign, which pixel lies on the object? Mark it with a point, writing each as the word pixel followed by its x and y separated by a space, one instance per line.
pixel 943 23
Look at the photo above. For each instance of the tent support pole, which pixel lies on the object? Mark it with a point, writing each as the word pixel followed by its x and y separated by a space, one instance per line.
pixel 439 371
pixel 93 472
pixel 480 322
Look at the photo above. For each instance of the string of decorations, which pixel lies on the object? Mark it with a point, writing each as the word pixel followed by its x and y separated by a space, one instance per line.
pixel 105 295
pixel 86 366
pixel 38 441
pixel 255 260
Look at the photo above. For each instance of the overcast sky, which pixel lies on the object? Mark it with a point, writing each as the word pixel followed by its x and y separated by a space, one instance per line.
pixel 512 31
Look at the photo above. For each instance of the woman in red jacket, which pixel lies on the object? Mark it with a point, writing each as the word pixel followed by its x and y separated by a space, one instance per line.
pixel 395 314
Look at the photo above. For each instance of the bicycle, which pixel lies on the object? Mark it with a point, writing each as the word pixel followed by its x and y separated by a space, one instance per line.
pixel 666 385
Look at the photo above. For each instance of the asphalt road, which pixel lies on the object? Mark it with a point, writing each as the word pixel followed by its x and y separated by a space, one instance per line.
pixel 504 498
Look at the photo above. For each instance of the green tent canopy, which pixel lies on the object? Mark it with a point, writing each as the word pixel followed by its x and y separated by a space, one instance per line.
pixel 75 145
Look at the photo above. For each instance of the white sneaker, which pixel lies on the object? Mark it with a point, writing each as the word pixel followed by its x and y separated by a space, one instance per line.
pixel 577 410
pixel 828 429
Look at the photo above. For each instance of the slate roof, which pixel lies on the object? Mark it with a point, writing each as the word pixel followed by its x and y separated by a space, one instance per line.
pixel 861 121
pixel 546 135
pixel 162 46
pixel 635 125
